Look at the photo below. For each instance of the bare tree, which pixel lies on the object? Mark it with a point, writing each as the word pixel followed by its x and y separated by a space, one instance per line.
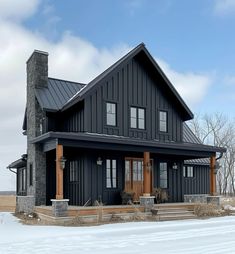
pixel 218 130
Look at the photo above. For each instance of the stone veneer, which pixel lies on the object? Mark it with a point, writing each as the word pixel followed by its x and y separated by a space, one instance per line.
pixel 37 77
pixel 147 202
pixel 25 204
pixel 60 207
pixel 202 198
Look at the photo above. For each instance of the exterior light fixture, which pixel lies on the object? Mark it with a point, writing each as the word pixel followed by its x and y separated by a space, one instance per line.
pixel 62 162
pixel 175 166
pixel 99 161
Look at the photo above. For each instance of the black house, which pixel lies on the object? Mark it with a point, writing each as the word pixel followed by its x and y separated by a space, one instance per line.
pixel 123 131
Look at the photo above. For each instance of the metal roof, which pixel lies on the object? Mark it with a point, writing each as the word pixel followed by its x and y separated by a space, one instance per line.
pixel 201 161
pixel 199 149
pixel 189 136
pixel 57 93
pixel 134 52
pixel 20 163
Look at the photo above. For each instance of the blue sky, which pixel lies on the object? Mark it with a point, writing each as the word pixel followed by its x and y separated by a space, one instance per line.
pixel 193 42
pixel 191 36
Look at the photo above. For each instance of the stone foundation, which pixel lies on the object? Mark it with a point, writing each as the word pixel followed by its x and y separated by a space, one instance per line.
pixel 147 202
pixel 60 207
pixel 195 198
pixel 25 204
pixel 202 198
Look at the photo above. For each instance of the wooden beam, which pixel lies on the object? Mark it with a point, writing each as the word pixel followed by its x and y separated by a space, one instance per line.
pixel 59 173
pixel 212 176
pixel 147 174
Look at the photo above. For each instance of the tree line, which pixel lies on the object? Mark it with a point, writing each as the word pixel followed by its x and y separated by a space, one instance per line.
pixel 219 130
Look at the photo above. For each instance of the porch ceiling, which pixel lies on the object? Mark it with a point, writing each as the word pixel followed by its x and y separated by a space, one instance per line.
pixel 109 142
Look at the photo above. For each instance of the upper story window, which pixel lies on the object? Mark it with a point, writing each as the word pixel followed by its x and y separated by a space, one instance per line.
pixel 111 114
pixel 188 171
pixel 163 121
pixel 137 118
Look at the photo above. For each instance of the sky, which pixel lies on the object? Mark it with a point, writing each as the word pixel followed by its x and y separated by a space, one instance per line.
pixel 192 41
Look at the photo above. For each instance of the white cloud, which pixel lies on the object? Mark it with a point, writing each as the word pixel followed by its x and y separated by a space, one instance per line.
pixel 191 86
pixel 224 7
pixel 17 10
pixel 71 57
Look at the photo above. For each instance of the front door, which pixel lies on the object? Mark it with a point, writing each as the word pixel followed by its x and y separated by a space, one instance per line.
pixel 134 176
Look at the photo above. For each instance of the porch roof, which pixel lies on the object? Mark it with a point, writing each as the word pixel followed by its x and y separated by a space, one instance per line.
pixel 111 142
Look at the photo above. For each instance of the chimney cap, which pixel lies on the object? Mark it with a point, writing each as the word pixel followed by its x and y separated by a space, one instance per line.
pixel 37 52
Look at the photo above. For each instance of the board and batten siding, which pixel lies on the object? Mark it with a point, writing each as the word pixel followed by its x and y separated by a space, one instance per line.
pixel 200 183
pixel 131 85
pixel 74 119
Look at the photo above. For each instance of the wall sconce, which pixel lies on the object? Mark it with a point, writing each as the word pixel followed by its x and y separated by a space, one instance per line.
pixel 99 161
pixel 62 162
pixel 175 166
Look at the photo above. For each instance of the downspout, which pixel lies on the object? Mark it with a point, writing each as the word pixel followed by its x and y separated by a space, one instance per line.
pixel 220 156
pixel 12 170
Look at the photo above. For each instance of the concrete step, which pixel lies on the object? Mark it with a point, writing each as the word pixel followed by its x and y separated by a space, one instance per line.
pixel 175 217
pixel 182 212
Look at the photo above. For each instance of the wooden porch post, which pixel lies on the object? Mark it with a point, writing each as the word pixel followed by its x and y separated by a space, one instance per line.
pixel 147 174
pixel 59 173
pixel 212 176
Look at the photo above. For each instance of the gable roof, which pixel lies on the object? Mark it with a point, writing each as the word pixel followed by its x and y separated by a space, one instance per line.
pixel 56 94
pixel 189 137
pixel 140 49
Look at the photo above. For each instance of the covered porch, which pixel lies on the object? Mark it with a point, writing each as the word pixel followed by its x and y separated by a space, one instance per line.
pixel 98 151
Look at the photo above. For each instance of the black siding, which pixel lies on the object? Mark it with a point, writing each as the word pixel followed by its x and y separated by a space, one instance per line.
pixel 132 85
pixel 91 184
pixel 200 183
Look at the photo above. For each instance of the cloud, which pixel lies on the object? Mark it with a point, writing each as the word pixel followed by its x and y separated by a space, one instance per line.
pixel 191 86
pixel 17 10
pixel 224 7
pixel 70 57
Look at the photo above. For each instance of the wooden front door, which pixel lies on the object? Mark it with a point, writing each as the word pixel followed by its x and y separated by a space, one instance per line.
pixel 134 176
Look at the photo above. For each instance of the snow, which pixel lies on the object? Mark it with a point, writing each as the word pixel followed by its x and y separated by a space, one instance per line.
pixel 216 235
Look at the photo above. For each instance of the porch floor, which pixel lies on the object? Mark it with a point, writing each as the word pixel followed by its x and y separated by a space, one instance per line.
pixel 81 211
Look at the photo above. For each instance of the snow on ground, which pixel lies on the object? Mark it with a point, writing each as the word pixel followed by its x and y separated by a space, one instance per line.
pixel 216 235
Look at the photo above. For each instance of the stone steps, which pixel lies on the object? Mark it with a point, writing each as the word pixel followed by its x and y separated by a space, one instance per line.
pixel 173 212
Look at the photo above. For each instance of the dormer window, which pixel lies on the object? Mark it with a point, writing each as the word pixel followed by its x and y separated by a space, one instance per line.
pixel 163 121
pixel 137 118
pixel 111 114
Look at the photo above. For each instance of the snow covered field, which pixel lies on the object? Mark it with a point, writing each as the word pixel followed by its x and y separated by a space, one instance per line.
pixel 215 235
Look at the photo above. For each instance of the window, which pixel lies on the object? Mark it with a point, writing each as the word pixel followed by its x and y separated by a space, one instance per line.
pixel 111 173
pixel 188 171
pixel 21 181
pixel 73 171
pixel 137 170
pixel 137 118
pixel 163 175
pixel 111 114
pixel 163 121
pixel 30 174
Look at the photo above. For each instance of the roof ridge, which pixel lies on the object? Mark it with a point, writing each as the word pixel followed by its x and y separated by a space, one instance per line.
pixel 83 84
pixel 141 45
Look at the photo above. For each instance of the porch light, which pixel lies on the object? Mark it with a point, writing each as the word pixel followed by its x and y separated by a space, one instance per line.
pixel 175 166
pixel 99 161
pixel 62 162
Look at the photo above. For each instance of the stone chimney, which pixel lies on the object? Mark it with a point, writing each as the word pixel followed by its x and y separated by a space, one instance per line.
pixel 37 77
pixel 37 69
